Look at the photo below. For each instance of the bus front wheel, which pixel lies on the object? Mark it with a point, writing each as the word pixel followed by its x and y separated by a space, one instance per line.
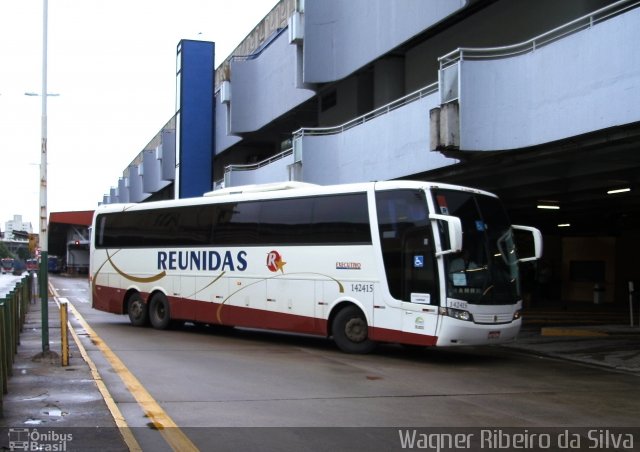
pixel 137 310
pixel 351 331
pixel 159 311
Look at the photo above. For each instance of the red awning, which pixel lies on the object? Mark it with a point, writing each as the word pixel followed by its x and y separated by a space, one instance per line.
pixel 81 218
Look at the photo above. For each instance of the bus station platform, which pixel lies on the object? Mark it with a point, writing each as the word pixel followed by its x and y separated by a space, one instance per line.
pixel 44 395
pixel 62 404
pixel 591 334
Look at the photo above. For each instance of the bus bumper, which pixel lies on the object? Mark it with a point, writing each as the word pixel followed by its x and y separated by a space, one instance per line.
pixel 454 332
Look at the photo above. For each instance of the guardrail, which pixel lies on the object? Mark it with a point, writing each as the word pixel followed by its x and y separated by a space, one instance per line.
pixel 416 95
pixel 318 131
pixel 531 45
pixel 257 165
pixel 13 312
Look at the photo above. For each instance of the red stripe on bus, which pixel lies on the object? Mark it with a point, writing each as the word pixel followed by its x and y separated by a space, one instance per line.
pixel 112 300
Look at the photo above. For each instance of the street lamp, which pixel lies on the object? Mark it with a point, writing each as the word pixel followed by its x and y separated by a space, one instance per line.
pixel 32 94
pixel 44 234
pixel 44 245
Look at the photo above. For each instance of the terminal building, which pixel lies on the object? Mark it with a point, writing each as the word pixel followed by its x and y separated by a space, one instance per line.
pixel 16 228
pixel 536 101
pixel 16 235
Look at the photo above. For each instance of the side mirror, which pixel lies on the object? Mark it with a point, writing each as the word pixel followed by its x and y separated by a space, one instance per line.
pixel 537 242
pixel 453 233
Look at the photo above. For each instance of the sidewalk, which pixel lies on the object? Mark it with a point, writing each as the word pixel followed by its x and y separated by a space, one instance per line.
pixel 50 399
pixel 597 335
pixel 616 347
pixel 61 404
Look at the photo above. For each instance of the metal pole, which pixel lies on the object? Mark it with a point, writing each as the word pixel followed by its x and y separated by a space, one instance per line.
pixel 44 239
pixel 64 333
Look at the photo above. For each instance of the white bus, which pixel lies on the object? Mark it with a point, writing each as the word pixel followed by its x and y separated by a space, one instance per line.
pixel 407 262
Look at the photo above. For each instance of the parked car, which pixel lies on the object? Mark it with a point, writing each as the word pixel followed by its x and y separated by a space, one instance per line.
pixel 32 265
pixel 7 264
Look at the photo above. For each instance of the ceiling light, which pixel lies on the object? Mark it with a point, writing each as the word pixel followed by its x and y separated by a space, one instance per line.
pixel 564 225
pixel 618 190
pixel 548 206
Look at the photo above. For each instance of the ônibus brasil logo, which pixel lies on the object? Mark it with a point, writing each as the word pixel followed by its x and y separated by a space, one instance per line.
pixel 275 262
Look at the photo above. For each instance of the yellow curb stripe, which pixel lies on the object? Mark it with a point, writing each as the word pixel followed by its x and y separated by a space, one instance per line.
pixel 169 430
pixel 121 423
pixel 123 427
pixel 570 332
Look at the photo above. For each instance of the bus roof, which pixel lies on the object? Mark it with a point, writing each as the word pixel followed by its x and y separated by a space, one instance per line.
pixel 261 188
pixel 283 190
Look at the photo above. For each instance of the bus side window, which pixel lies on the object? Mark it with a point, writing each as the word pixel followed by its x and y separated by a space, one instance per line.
pixel 99 237
pixel 236 223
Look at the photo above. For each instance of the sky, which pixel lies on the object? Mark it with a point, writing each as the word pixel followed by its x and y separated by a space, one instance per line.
pixel 111 83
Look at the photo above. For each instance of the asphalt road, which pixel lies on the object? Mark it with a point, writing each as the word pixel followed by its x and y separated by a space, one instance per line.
pixel 206 377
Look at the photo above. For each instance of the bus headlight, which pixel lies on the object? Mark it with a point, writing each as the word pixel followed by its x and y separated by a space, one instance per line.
pixel 517 315
pixel 457 314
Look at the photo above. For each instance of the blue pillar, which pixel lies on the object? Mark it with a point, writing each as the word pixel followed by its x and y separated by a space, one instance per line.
pixel 194 117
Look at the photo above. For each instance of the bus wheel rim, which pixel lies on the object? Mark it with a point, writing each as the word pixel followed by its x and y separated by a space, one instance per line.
pixel 356 330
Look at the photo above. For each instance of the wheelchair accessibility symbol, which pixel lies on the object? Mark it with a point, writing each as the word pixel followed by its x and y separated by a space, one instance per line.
pixel 418 261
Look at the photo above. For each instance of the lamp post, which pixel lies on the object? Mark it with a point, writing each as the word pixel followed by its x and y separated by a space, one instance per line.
pixel 43 274
pixel 44 233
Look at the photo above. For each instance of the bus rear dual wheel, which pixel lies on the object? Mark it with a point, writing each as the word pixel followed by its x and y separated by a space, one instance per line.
pixel 351 331
pixel 156 313
pixel 159 311
pixel 137 310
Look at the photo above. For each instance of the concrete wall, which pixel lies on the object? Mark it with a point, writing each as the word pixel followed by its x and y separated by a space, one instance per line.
pixel 224 140
pixel 136 192
pixel 264 87
pixel 518 21
pixel 584 82
pixel 392 145
pixel 123 191
pixel 277 171
pixel 152 180
pixel 346 106
pixel 342 36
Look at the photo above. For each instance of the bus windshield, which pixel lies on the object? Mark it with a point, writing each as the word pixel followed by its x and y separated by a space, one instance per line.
pixel 486 270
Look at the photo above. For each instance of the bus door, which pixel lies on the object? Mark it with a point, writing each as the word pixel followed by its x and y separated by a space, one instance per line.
pixel 406 240
pixel 419 283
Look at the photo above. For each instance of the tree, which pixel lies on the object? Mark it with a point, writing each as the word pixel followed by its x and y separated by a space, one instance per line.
pixel 4 251
pixel 23 253
pixel 33 243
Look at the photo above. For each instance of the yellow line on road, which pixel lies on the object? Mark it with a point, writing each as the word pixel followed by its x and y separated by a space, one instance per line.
pixel 171 433
pixel 125 431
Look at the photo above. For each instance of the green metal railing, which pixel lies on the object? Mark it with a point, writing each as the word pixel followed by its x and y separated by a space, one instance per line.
pixel 13 312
